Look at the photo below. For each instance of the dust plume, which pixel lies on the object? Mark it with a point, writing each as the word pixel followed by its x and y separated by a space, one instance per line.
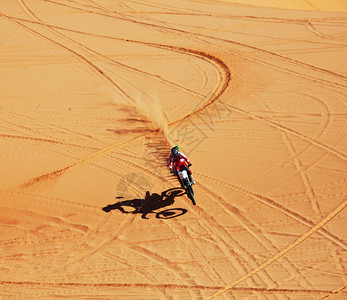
pixel 150 108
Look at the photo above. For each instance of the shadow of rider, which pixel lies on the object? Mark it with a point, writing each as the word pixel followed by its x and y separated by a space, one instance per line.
pixel 149 204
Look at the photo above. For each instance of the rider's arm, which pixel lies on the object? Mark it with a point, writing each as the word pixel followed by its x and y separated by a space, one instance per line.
pixel 170 162
pixel 184 157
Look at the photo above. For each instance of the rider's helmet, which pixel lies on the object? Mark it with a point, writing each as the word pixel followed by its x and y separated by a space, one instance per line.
pixel 174 151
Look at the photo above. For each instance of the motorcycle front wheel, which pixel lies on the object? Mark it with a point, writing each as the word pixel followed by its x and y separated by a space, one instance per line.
pixel 190 192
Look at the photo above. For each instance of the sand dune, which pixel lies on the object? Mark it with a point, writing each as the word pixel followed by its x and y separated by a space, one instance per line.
pixel 93 96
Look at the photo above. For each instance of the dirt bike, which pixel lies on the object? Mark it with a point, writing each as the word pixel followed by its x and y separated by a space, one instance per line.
pixel 185 180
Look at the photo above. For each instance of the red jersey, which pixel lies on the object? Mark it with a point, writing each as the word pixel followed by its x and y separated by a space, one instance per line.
pixel 181 163
pixel 175 160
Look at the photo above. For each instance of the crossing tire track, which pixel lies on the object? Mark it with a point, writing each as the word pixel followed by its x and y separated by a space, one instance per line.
pixel 105 58
pixel 274 56
pixel 270 202
pixel 292 132
pixel 257 235
pixel 280 254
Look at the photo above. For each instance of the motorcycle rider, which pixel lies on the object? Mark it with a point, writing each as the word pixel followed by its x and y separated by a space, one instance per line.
pixel 178 159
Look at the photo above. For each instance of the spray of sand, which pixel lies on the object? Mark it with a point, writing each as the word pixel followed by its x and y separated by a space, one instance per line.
pixel 151 110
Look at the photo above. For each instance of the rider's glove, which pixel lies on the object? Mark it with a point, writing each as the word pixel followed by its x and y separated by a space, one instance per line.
pixel 189 164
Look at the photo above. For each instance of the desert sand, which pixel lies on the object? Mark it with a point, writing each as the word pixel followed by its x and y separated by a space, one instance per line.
pixel 93 94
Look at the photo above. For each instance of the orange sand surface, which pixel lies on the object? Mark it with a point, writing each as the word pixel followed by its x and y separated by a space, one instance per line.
pixel 93 94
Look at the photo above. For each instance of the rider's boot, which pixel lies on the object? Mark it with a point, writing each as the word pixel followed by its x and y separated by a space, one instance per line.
pixel 192 179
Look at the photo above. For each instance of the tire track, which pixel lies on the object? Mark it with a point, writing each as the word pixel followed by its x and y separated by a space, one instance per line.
pixel 320 273
pixel 284 59
pixel 315 269
pixel 100 152
pixel 334 292
pixel 181 230
pixel 140 271
pixel 61 129
pixel 242 251
pixel 168 265
pixel 17 284
pixel 284 210
pixel 221 65
pixel 300 170
pixel 229 240
pixel 54 175
pixel 54 220
pixel 19 198
pixel 57 173
pixel 8 136
pixel 261 241
pixel 299 166
pixel 101 245
pixel 257 234
pixel 97 229
pixel 79 248
pixel 280 254
pixel 269 53
pixel 108 172
pixel 100 55
pixel 311 27
pixel 132 12
pixel 223 240
pixel 31 131
pixel 291 131
pixel 92 234
pixel 330 187
pixel 311 5
pixel 195 12
pixel 338 261
pixel 79 56
pixel 195 251
pixel 8 35
pixel 274 56
pixel 64 235
pixel 54 142
pixel 296 154
pixel 153 76
pixel 14 193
